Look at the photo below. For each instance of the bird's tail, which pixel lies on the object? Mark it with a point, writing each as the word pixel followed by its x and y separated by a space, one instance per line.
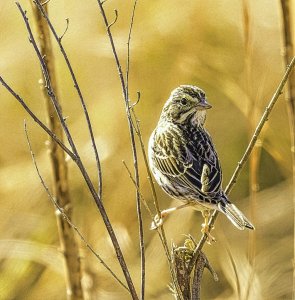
pixel 235 216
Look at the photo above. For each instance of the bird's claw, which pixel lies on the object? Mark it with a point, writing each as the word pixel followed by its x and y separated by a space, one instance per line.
pixel 205 230
pixel 158 221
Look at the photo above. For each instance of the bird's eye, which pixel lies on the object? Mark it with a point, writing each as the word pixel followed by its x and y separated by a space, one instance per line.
pixel 183 101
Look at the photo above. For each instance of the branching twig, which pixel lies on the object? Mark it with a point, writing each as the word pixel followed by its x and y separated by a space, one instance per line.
pixel 115 19
pixel 77 87
pixel 76 158
pixel 64 215
pixel 47 79
pixel 67 27
pixel 37 120
pixel 132 138
pixel 141 196
pixel 86 177
pixel 159 229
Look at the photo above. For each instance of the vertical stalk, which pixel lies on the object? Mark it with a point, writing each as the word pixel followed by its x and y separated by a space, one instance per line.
pixel 138 201
pixel 290 99
pixel 60 185
pixel 252 117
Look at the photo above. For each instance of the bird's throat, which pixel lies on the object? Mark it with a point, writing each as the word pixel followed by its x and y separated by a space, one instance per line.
pixel 198 119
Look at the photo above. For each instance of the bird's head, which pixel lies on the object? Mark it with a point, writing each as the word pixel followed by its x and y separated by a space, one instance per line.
pixel 187 102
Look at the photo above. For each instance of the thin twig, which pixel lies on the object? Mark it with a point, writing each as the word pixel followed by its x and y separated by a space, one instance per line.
pixel 248 151
pixel 159 229
pixel 77 87
pixel 47 80
pixel 87 180
pixel 139 214
pixel 132 138
pixel 37 120
pixel 80 165
pixel 141 196
pixel 115 19
pixel 128 48
pixel 67 27
pixel 45 2
pixel 65 216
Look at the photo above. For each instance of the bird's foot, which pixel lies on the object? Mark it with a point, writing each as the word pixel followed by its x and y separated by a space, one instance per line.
pixel 158 222
pixel 205 230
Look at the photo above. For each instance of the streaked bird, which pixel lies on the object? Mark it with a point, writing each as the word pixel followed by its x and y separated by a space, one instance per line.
pixel 184 161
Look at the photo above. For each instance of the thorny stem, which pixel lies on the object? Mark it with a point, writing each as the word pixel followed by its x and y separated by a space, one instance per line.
pixel 65 216
pixel 76 85
pixel 79 163
pixel 248 151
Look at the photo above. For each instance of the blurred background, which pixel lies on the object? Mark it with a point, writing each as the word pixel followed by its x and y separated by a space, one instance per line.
pixel 232 50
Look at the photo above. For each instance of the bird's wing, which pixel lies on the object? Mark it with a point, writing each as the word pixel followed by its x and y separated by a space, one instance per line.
pixel 205 162
pixel 191 164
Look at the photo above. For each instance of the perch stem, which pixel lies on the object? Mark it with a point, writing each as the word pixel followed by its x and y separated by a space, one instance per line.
pixel 248 151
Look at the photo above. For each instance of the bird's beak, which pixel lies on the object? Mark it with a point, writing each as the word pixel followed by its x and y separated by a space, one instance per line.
pixel 204 104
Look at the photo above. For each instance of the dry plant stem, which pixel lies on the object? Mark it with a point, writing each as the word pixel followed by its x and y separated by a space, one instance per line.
pixel 141 196
pixel 248 151
pixel 76 85
pixel 290 98
pixel 201 263
pixel 160 230
pixel 134 151
pixel 189 276
pixel 63 213
pixel 130 109
pixel 47 83
pixel 252 117
pixel 136 126
pixel 78 161
pixel 59 167
pixel 131 131
pixel 37 120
